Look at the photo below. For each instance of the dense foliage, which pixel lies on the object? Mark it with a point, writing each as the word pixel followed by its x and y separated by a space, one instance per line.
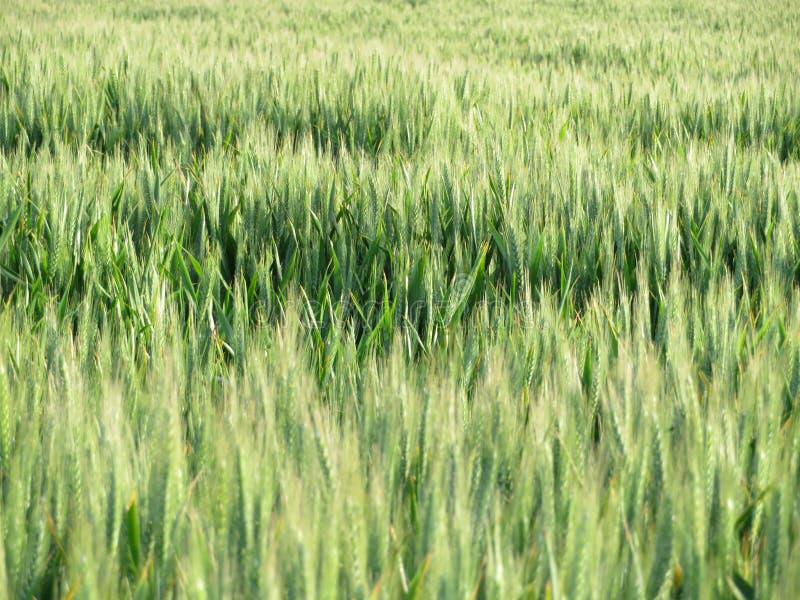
pixel 422 299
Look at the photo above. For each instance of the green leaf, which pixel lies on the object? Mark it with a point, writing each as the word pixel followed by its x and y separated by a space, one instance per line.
pixel 11 222
pixel 741 588
pixel 458 299
pixel 132 536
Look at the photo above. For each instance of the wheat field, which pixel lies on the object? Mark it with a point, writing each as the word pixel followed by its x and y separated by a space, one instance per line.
pixel 379 299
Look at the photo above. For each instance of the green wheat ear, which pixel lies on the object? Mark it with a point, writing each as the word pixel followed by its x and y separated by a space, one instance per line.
pixel 6 442
pixel 662 557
